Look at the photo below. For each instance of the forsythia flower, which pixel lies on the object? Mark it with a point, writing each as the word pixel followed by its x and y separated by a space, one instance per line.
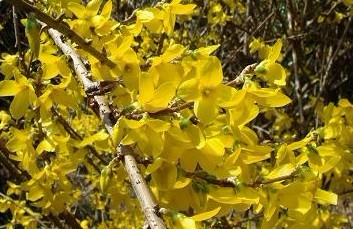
pixel 271 71
pixel 207 90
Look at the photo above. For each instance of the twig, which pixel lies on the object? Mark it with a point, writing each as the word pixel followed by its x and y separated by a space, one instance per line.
pixel 240 78
pixel 139 185
pixel 346 192
pixel 15 25
pixel 10 167
pixel 254 218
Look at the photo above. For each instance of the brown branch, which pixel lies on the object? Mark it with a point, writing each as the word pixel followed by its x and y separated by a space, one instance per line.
pixel 139 185
pixel 62 28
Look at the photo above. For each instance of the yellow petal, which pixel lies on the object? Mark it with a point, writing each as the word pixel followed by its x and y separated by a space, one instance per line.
pixel 206 51
pixel 93 7
pixel 228 96
pixel 182 222
pixel 158 125
pixel 45 145
pixel 107 9
pixel 144 15
pixel 269 97
pixel 19 104
pixel 173 52
pixel 210 72
pixel 165 176
pixel 280 171
pixel 243 113
pixel 188 90
pixel 9 88
pixel 146 88
pixel 183 9
pixel 206 215
pixel 326 197
pixel 205 110
pixel 132 124
pixel 78 9
pixel 95 137
pixel 275 51
pixel 161 97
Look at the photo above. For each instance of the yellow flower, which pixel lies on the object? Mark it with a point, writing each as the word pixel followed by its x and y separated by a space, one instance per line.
pixel 271 71
pixel 207 91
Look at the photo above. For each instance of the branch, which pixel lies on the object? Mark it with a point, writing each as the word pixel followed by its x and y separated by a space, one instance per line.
pixel 139 185
pixel 62 28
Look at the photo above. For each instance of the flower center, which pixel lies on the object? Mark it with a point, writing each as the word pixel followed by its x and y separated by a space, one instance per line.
pixel 206 92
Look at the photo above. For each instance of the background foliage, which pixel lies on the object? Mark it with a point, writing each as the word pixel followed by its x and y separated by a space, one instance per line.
pixel 264 166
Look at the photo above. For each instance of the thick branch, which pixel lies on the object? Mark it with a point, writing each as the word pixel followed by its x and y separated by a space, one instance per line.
pixel 141 189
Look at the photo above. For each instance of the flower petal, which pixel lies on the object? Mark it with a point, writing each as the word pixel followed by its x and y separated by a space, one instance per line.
pixel 205 110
